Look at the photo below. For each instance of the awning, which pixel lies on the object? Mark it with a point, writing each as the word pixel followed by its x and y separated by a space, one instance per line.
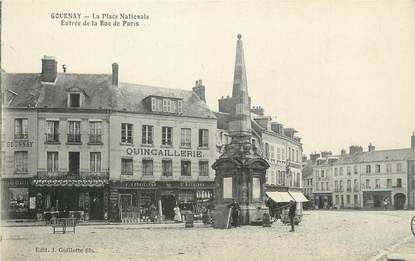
pixel 298 196
pixel 279 197
pixel 69 183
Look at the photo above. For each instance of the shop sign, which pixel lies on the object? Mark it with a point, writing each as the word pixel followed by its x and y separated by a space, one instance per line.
pixel 20 144
pixel 164 152
pixel 16 182
pixel 137 184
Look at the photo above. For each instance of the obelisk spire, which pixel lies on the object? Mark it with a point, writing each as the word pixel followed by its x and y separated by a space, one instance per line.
pixel 240 123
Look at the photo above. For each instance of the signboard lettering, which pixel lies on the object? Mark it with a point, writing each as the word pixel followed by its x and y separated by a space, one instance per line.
pixel 19 143
pixel 164 152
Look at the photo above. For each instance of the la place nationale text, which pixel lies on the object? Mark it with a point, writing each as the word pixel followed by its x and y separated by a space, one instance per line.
pixel 73 19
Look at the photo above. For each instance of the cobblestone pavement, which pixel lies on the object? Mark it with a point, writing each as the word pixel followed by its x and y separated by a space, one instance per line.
pixel 322 235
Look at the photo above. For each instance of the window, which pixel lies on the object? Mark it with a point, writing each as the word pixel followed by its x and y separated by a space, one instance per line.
pixel 349 170
pixel 167 105
pixel 74 100
pixel 367 184
pixel 322 186
pixel 368 168
pixel 377 168
pixel 272 151
pixel 388 168
pixel 322 173
pixel 20 161
pixel 356 199
pixel 349 185
pixel 335 171
pixel 167 169
pixel 289 153
pixel 185 168
pixel 389 183
pixel 398 167
pixel 95 162
pixel 126 133
pixel 355 185
pixel 341 185
pixel 203 168
pixel 327 186
pixel 186 137
pixel 52 162
pixel 20 129
pixel 347 199
pixel 95 135
pixel 296 155
pixel 341 171
pixel 203 138
pixel 337 200
pixel 153 104
pixel 278 153
pixel 377 183
pixel 283 154
pixel 74 131
pixel 52 132
pixel 147 167
pixel 179 107
pixel 399 183
pixel 126 166
pixel 355 169
pixel 147 135
pixel 166 136
pixel 336 186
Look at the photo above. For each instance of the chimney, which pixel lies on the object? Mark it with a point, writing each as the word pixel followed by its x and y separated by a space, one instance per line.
pixel 343 152
pixel 314 157
pixel 199 89
pixel 258 110
pixel 115 74
pixel 413 141
pixel 49 69
pixel 325 154
pixel 355 149
pixel 370 147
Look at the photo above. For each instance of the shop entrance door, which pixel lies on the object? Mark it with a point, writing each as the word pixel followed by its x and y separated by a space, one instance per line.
pixel 96 206
pixel 126 201
pixel 168 202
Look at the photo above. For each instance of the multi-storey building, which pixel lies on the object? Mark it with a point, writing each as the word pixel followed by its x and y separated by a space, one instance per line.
pixel 371 179
pixel 91 144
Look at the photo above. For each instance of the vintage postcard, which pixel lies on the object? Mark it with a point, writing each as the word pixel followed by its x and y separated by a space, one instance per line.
pixel 207 130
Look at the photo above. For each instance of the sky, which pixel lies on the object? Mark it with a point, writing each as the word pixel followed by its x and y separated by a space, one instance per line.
pixel 340 72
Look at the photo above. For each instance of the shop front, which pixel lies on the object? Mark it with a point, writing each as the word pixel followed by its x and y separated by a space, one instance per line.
pixel 18 201
pixel 85 199
pixel 375 199
pixel 155 201
pixel 323 200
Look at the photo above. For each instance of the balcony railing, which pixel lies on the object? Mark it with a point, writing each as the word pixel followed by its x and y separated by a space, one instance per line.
pixel 52 137
pixel 72 175
pixel 20 135
pixel 74 138
pixel 95 139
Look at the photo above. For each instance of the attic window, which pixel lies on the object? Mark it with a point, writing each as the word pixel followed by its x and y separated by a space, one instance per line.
pixel 74 100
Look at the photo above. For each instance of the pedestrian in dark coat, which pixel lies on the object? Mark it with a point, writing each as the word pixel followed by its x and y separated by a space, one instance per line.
pixel 291 214
pixel 235 213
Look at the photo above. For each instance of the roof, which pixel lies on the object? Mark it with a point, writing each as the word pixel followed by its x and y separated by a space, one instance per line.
pixel 99 93
pixel 375 156
pixel 307 170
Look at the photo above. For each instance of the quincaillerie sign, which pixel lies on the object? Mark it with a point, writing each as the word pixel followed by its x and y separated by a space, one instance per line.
pixel 164 152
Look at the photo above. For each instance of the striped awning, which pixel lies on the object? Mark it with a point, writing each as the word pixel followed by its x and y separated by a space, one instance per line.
pixel 298 196
pixel 279 197
pixel 69 182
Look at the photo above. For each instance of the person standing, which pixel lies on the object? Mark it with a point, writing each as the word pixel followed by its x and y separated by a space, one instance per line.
pixel 235 209
pixel 291 214
pixel 177 214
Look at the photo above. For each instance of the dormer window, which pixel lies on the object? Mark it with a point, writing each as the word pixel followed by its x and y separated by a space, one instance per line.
pixel 74 100
pixel 164 104
pixel 179 107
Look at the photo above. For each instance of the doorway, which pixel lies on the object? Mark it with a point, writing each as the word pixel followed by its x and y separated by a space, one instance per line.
pixel 168 202
pixel 74 163
pixel 96 206
pixel 400 199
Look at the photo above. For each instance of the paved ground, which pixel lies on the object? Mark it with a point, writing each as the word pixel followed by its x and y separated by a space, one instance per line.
pixel 323 235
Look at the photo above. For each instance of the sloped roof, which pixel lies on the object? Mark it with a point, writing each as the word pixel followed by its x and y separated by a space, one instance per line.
pixel 377 155
pixel 99 93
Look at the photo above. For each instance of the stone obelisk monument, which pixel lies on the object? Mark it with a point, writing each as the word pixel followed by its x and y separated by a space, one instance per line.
pixel 240 171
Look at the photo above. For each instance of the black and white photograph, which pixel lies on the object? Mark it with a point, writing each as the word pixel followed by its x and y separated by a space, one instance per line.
pixel 207 130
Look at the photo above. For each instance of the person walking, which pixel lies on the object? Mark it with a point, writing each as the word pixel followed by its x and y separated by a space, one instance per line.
pixel 291 214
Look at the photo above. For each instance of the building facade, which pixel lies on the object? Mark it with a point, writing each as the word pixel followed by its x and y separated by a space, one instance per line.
pixel 371 179
pixel 87 144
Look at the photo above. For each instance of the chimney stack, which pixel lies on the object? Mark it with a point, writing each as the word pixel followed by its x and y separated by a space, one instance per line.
pixel 314 157
pixel 115 74
pixel 49 69
pixel 343 152
pixel 355 149
pixel 370 147
pixel 413 140
pixel 199 89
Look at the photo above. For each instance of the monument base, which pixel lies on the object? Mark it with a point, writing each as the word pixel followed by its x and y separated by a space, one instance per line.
pixel 252 214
